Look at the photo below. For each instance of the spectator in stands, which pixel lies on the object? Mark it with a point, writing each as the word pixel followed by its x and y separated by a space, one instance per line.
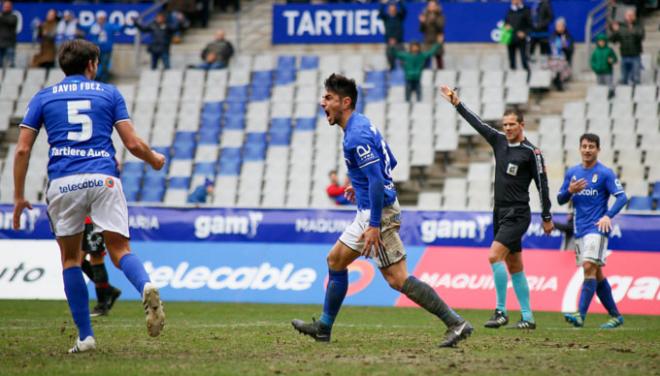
pixel 161 39
pixel 46 32
pixel 567 42
pixel 235 4
pixel 216 55
pixel 558 61
pixel 67 28
pixel 541 19
pixel 519 19
pixel 393 13
pixel 630 37
pixel 8 23
pixel 179 14
pixel 201 193
pixel 432 25
pixel 413 64
pixel 336 191
pixel 602 60
pixel 103 34
pixel 203 13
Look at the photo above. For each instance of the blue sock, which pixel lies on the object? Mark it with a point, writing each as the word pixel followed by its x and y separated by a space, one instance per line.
pixel 588 290
pixel 334 296
pixel 604 292
pixel 134 271
pixel 501 280
pixel 520 286
pixel 78 299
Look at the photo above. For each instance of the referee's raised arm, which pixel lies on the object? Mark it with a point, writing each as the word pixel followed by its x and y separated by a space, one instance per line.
pixel 488 132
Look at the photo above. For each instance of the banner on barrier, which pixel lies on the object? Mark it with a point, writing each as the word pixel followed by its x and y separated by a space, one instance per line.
pixel 462 276
pixel 418 228
pixel 359 23
pixel 30 14
pixel 30 269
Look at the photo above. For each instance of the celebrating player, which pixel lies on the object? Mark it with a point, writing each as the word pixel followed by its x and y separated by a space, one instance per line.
pixel 375 231
pixel 517 163
pixel 94 268
pixel 79 116
pixel 589 185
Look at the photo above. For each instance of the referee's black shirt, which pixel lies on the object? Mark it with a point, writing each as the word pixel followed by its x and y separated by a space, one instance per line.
pixel 515 166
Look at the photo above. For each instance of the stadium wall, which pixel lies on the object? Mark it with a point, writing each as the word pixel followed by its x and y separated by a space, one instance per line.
pixel 359 23
pixel 278 256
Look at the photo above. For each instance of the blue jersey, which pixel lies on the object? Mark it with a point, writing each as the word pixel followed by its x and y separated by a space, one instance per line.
pixel 79 116
pixel 364 146
pixel 590 204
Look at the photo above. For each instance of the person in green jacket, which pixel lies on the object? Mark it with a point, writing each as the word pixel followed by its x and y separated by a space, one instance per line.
pixel 602 60
pixel 413 64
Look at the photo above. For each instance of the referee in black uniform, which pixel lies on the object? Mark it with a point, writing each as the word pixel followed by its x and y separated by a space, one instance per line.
pixel 517 163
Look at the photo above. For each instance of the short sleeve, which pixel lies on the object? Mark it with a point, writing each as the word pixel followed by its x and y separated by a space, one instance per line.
pixel 364 152
pixel 613 184
pixel 33 117
pixel 120 110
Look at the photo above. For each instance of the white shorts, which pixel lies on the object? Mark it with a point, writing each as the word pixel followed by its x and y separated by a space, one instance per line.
pixel 592 248
pixel 72 198
pixel 393 250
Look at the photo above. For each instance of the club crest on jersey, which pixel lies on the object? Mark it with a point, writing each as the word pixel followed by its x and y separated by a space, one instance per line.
pixel 594 178
pixel 110 182
pixel 512 169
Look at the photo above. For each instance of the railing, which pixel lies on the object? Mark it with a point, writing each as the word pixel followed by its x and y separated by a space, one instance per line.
pixel 596 24
pixel 137 41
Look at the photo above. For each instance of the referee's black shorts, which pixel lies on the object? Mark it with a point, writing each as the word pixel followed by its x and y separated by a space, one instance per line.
pixel 510 225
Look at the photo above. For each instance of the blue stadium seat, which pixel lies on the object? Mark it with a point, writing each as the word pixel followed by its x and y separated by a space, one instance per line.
pixel 204 168
pixel 131 194
pixel 280 123
pixel 235 108
pixel 285 77
pixel 309 62
pixel 210 121
pixel 231 153
pixel 397 78
pixel 305 124
pixel 640 203
pixel 237 93
pixel 180 182
pixel 209 136
pixel 131 181
pixel 286 62
pixel 154 181
pixel 230 167
pixel 152 174
pixel 375 94
pixel 656 191
pixel 259 93
pixel 212 108
pixel 255 138
pixel 262 78
pixel 132 168
pixel 164 150
pixel 254 152
pixel 280 136
pixel 184 145
pixel 152 194
pixel 234 121
pixel 376 78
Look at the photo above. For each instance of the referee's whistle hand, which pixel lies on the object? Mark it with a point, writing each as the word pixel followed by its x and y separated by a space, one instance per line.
pixel 449 94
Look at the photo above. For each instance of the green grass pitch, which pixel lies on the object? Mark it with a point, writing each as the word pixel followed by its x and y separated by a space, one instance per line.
pixel 247 339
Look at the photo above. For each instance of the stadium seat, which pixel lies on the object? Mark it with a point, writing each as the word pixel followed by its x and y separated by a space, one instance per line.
pixel 152 193
pixel 204 168
pixel 640 203
pixel 396 78
pixel 655 194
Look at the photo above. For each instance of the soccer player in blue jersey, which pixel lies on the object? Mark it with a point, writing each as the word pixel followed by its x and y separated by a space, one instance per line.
pixel 79 116
pixel 589 186
pixel 375 231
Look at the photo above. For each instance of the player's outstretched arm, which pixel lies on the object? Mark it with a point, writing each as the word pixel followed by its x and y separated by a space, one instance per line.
pixel 372 239
pixel 137 146
pixel 485 130
pixel 541 181
pixel 26 138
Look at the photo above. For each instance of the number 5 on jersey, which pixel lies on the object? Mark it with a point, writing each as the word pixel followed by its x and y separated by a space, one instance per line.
pixel 75 117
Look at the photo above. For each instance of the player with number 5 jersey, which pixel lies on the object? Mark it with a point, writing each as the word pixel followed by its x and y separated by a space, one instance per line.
pixel 79 116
